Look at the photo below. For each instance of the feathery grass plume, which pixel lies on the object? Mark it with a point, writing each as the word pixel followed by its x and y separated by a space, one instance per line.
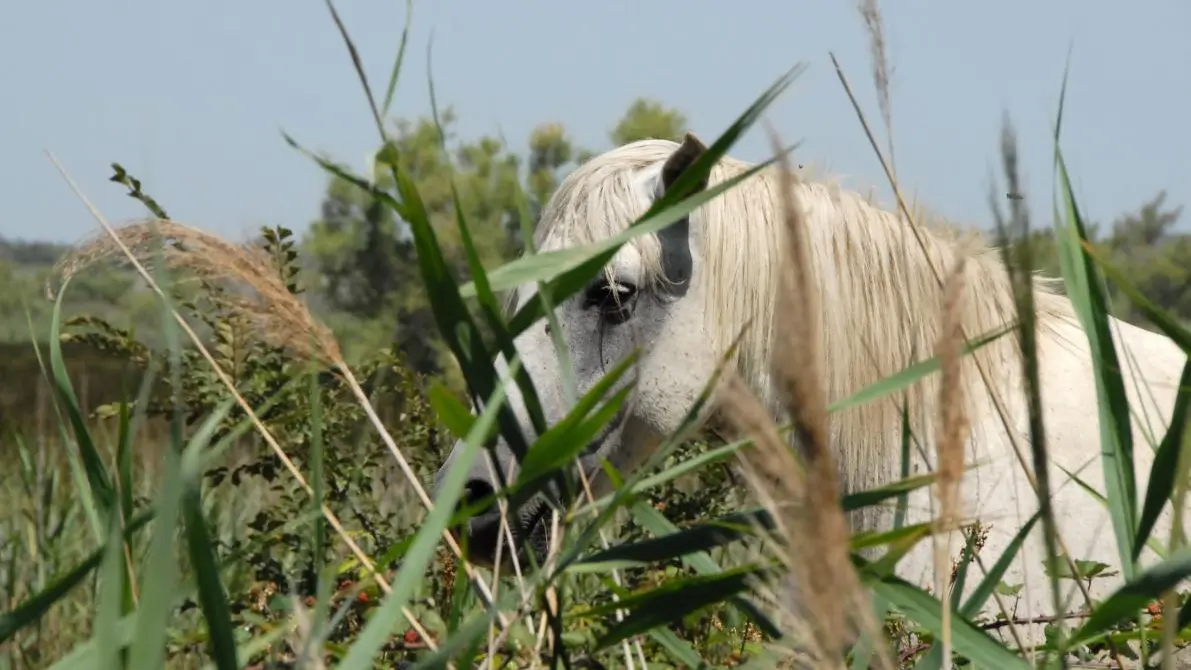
pixel 950 439
pixel 876 42
pixel 811 533
pixel 276 315
pixel 776 477
pixel 798 367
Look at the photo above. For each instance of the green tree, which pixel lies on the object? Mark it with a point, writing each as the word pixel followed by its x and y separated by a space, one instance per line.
pixel 362 258
pixel 1144 246
pixel 1156 258
pixel 550 150
pixel 648 119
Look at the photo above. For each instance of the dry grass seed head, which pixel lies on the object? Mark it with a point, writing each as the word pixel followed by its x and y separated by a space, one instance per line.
pixel 256 292
pixel 811 529
pixel 953 426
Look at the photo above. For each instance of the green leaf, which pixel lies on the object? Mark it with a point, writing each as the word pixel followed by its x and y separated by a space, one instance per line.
pixel 911 534
pixel 624 489
pixel 565 440
pixel 393 75
pixel 489 305
pixel 454 414
pixel 876 496
pixel 698 537
pixel 212 599
pixel 540 457
pixel 672 601
pixel 655 522
pixel 1165 466
pixel 454 322
pixel 679 648
pixel 589 258
pixel 903 498
pixel 343 173
pixel 670 474
pixel 1162 319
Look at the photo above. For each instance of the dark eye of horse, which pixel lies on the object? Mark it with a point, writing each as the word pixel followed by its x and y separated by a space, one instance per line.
pixel 614 300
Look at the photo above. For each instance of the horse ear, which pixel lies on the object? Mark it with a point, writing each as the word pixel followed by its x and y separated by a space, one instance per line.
pixel 675 238
pixel 683 157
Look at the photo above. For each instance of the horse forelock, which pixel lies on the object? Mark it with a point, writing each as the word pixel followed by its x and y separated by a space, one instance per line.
pixel 601 198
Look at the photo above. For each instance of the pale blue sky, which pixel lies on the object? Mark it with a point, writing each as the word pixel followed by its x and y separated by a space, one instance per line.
pixel 193 96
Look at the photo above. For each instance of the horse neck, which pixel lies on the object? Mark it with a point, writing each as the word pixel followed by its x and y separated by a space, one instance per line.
pixel 881 310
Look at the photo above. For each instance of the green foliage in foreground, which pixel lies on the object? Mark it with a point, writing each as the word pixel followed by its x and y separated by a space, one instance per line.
pixel 215 555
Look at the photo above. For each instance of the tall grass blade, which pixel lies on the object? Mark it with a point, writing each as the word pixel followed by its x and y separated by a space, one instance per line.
pixel 700 537
pixel 489 305
pixel 1087 294
pixel 160 576
pixel 212 599
pixel 111 595
pixel 102 492
pixel 569 264
pixel 1162 319
pixel 911 374
pixel 393 75
pixel 646 609
pixel 1165 469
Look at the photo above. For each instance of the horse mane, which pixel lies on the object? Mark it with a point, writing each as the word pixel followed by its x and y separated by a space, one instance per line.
pixel 881 300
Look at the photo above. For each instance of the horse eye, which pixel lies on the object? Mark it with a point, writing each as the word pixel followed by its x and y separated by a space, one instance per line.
pixel 614 300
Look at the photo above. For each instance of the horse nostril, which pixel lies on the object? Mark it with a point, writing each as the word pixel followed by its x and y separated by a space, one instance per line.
pixel 474 493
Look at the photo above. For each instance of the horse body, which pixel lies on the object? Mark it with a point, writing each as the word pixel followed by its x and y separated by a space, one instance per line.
pixel 682 296
pixel 997 493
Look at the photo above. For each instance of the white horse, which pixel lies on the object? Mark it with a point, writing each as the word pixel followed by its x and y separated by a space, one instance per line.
pixel 682 297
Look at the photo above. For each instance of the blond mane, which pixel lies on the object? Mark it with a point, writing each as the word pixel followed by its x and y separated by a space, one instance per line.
pixel 880 297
